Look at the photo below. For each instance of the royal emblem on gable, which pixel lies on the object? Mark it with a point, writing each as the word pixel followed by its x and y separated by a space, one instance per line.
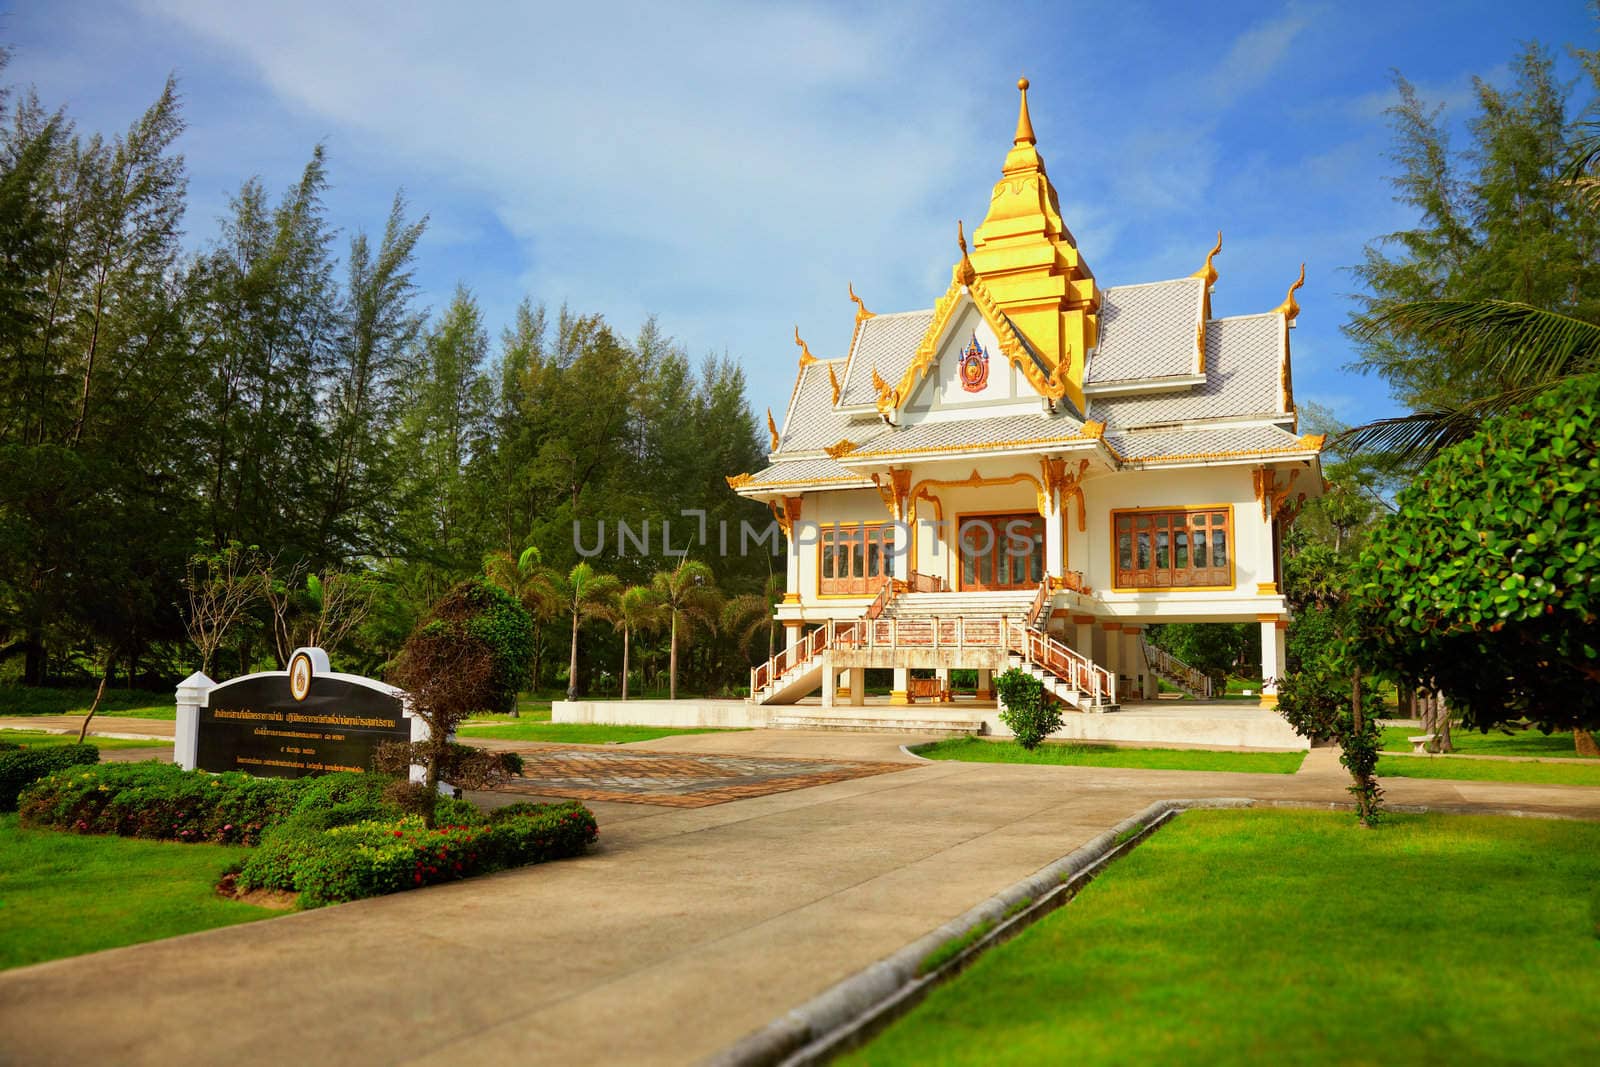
pixel 974 366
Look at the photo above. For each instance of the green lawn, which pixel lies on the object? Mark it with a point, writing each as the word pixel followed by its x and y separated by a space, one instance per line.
pixel 975 750
pixel 1493 743
pixel 576 733
pixel 119 703
pixel 1267 937
pixel 37 739
pixel 1482 770
pixel 65 894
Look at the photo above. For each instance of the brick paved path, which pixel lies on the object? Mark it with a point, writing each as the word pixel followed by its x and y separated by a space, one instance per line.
pixel 674 779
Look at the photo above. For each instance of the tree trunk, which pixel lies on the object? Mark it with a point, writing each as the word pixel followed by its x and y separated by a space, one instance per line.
pixel 98 693
pixel 572 667
pixel 431 782
pixel 1584 743
pixel 625 663
pixel 672 667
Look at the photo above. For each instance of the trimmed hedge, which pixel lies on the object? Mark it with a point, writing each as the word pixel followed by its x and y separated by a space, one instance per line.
pixel 21 766
pixel 375 857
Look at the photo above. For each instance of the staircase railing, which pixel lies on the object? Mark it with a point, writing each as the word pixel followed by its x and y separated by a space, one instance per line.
pixel 1035 616
pixel 1192 680
pixel 917 582
pixel 1074 668
pixel 819 641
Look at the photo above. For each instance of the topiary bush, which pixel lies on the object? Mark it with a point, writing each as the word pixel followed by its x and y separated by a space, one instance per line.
pixel 20 766
pixel 1028 713
pixel 487 613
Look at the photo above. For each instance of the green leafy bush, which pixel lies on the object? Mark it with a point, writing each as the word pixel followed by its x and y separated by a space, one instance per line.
pixel 20 766
pixel 1485 584
pixel 375 857
pixel 1028 714
pixel 160 801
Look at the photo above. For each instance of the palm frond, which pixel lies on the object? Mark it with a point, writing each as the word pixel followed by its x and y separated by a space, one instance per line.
pixel 1420 436
pixel 1518 343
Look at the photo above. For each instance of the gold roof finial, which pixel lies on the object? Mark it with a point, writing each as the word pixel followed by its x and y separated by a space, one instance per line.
pixel 861 308
pixel 1290 308
pixel 772 428
pixel 1024 123
pixel 806 358
pixel 965 274
pixel 1208 273
pixel 833 380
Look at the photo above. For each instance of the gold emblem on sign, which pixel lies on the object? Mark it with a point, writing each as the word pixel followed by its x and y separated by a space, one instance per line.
pixel 300 676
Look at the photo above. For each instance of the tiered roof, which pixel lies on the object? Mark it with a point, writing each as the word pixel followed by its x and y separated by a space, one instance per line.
pixel 1137 375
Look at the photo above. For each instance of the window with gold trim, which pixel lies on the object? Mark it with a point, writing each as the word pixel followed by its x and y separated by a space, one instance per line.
pixel 854 558
pixel 1181 548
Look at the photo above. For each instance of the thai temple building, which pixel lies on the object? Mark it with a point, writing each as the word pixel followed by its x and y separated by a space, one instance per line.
pixel 1031 471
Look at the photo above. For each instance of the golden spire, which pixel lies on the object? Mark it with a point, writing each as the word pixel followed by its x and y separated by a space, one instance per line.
pixel 1290 308
pixel 772 428
pixel 1208 273
pixel 861 308
pixel 833 380
pixel 1029 262
pixel 964 271
pixel 806 358
pixel 1024 123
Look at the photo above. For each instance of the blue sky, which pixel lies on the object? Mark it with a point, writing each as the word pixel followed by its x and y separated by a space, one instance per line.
pixel 729 167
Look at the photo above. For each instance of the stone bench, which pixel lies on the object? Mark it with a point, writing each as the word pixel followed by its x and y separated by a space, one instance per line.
pixel 1420 743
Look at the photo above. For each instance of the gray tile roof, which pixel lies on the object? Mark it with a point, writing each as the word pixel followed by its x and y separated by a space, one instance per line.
pixel 886 342
pixel 803 472
pixel 1209 442
pixel 972 434
pixel 1148 331
pixel 812 423
pixel 1243 360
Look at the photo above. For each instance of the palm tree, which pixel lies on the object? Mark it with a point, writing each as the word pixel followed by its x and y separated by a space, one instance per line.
pixel 750 613
pixel 687 594
pixel 638 610
pixel 586 594
pixel 536 587
pixel 1522 350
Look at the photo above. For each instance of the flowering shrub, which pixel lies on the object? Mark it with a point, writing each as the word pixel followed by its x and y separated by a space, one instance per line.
pixel 158 800
pixel 21 765
pixel 380 856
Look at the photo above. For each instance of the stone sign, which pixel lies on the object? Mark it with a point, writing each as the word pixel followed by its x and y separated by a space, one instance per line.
pixel 285 724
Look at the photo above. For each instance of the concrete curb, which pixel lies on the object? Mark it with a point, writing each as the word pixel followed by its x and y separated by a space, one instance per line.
pixel 850 1010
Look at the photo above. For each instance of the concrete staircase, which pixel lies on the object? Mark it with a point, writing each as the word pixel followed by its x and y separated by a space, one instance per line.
pixel 904 720
pixel 1014 603
pixel 1062 690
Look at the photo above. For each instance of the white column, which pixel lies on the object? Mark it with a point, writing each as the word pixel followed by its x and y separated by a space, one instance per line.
pixel 858 685
pixel 190 695
pixel 1113 661
pixel 1085 642
pixel 792 576
pixel 1271 659
pixel 901 694
pixel 830 680
pixel 791 634
pixel 943 674
pixel 1054 565
pixel 1132 660
pixel 985 684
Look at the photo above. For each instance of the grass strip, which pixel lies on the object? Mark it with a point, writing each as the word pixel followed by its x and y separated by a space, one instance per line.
pixel 65 894
pixel 1493 743
pixel 40 739
pixel 1265 936
pixel 1057 753
pixel 1536 772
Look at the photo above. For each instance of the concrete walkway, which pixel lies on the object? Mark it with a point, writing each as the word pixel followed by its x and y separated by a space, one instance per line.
pixel 683 931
